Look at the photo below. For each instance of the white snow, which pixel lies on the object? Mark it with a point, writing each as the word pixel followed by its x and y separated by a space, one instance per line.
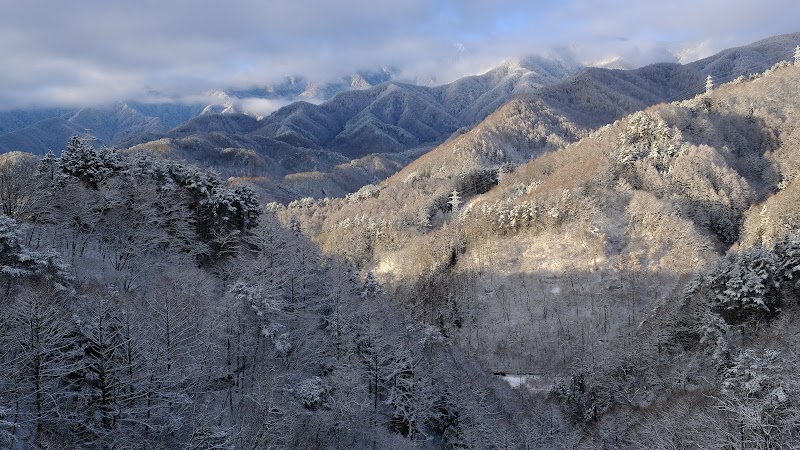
pixel 515 381
pixel 532 383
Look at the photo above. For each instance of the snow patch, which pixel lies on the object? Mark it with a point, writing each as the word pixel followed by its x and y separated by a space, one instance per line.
pixel 515 381
pixel 386 265
pixel 530 382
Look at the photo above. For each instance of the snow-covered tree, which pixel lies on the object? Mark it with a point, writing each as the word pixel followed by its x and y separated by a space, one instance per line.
pixel 313 393
pixel 90 165
pixel 744 286
pixel 411 395
pixel 455 201
pixel 709 84
pixel 649 139
pixel 18 263
pixel 757 395
pixel 35 364
pixel 18 189
pixel 106 397
pixel 787 254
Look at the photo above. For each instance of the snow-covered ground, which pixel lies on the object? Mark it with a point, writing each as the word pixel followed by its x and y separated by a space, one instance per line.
pixel 533 383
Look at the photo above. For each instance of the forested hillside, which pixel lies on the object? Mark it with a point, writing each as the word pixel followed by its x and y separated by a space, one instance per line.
pixel 40 131
pixel 146 304
pixel 588 267
pixel 594 269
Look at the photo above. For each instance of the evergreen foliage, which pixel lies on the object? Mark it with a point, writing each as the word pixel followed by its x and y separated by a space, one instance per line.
pixel 755 284
pixel 91 166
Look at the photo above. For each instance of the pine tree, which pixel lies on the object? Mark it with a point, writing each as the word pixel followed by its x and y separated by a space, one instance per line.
pixel 709 84
pixel 47 166
pixel 91 166
pixel 101 408
pixel 455 200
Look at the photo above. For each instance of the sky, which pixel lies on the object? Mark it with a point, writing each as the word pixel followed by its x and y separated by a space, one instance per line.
pixel 86 52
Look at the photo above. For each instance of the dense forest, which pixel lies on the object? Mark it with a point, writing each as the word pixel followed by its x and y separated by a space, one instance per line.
pixel 526 284
pixel 148 305
pixel 595 274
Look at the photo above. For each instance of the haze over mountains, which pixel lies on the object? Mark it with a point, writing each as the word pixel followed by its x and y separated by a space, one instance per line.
pixel 397 121
pixel 312 141
pixel 529 74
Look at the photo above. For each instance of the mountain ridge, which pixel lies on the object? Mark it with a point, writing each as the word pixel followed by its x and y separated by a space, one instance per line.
pixel 373 120
pixel 396 117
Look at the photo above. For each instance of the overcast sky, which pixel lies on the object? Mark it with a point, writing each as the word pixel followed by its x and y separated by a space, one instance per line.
pixel 78 52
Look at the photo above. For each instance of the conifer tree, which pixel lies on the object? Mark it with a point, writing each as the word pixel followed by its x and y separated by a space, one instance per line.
pixel 455 200
pixel 709 84
pixel 91 166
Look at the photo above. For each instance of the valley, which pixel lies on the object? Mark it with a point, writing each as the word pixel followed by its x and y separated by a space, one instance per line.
pixel 542 256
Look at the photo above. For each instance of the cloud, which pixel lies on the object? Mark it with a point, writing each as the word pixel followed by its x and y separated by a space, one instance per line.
pixel 642 28
pixel 260 107
pixel 90 51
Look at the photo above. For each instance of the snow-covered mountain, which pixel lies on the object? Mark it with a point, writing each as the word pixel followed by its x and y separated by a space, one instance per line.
pixel 529 112
pixel 297 87
pixel 41 130
pixel 107 125
pixel 390 118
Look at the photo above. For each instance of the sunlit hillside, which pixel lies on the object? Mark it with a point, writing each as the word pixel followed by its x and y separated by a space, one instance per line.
pixel 562 264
